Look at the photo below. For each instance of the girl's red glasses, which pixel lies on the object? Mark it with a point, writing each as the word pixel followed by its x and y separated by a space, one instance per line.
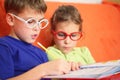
pixel 61 35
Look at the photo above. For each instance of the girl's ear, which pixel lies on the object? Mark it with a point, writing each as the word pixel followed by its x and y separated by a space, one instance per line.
pixel 10 19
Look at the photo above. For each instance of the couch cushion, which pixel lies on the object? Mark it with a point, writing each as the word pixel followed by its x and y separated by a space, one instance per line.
pixel 100 27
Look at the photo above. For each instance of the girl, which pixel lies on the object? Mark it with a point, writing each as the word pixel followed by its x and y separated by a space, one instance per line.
pixel 66 27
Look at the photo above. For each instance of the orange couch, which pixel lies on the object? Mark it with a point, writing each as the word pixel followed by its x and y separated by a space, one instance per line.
pixel 101 24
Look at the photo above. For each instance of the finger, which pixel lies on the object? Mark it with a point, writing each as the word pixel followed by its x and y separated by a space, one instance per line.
pixel 73 66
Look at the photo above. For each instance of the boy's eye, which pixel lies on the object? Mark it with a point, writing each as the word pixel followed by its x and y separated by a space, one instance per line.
pixel 31 21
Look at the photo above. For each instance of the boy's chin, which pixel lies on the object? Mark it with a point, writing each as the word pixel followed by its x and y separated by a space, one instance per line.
pixel 31 41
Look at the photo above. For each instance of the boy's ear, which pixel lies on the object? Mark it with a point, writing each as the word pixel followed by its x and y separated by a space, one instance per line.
pixel 10 19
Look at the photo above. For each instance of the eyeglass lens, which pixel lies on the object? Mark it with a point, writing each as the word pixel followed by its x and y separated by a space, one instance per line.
pixel 31 23
pixel 42 24
pixel 73 36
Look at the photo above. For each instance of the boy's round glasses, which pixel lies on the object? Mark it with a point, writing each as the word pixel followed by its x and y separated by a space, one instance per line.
pixel 63 35
pixel 31 23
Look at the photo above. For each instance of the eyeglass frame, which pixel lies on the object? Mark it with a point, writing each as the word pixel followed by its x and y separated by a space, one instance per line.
pixel 26 21
pixel 66 35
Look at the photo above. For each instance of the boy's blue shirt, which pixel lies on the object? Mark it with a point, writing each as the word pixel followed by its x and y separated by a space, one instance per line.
pixel 17 57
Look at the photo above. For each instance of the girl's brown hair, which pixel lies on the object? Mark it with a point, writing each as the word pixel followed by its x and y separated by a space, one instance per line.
pixel 66 13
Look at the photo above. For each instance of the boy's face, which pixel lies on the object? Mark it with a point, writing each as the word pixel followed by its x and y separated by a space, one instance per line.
pixel 67 44
pixel 20 30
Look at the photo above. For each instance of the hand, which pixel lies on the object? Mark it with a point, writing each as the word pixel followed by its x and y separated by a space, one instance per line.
pixel 75 66
pixel 55 67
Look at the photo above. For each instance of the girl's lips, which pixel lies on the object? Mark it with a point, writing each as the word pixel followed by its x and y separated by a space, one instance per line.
pixel 66 48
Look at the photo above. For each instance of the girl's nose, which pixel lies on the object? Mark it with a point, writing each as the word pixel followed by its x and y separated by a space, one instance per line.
pixel 67 40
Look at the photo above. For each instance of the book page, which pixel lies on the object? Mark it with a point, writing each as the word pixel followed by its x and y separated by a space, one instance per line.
pixel 102 64
pixel 109 68
pixel 89 73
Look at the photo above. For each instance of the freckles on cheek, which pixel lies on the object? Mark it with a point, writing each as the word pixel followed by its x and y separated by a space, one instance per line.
pixel 58 42
pixel 74 44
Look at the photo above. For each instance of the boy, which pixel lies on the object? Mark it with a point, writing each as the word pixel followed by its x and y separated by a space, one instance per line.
pixel 19 59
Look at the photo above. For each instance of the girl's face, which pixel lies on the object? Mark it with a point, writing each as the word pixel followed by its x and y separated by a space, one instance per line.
pixel 20 30
pixel 67 44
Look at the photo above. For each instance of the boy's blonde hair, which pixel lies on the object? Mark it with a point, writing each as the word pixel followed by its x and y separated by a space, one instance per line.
pixel 16 6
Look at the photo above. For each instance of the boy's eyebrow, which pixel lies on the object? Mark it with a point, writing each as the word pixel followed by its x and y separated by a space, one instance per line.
pixel 33 18
pixel 41 19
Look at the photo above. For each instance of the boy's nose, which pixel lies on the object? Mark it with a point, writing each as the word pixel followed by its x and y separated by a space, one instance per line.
pixel 37 27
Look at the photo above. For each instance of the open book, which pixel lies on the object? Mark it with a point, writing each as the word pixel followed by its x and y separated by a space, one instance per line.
pixel 97 71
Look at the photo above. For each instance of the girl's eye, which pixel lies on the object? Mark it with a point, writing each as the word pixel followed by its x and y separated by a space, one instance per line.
pixel 61 34
pixel 74 35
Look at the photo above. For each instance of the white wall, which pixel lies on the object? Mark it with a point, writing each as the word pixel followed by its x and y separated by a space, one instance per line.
pixel 78 1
